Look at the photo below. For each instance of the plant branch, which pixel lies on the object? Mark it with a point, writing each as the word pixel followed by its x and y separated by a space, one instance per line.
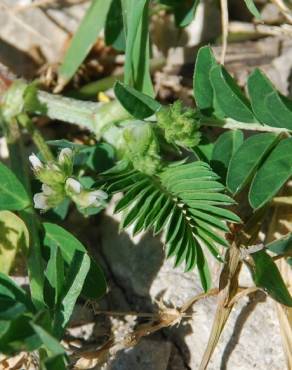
pixel 230 123
pixel 36 136
pixel 19 167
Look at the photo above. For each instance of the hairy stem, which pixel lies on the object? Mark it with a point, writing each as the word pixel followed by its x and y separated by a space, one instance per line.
pixel 92 116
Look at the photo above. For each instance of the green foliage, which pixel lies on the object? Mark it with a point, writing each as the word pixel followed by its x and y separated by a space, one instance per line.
pixel 229 97
pixel 136 103
pixel 114 27
pixel 267 276
pixel 84 39
pixel 261 156
pixel 203 90
pixel 57 238
pixel 282 246
pixel 217 94
pixel 14 239
pixel 224 149
pixel 248 158
pixel 272 175
pixel 184 10
pixel 13 196
pixel 252 8
pixel 185 201
pixel 137 65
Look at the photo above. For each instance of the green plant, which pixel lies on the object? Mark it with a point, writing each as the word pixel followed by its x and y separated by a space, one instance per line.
pixel 154 155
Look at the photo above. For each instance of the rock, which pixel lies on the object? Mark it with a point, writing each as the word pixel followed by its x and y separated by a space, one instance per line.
pixel 250 340
pixel 148 354
pixel 28 29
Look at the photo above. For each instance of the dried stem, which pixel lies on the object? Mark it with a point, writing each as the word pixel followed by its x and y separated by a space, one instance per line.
pixel 224 22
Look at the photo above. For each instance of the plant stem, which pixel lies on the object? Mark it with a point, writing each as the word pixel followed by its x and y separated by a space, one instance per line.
pixel 89 115
pixel 230 123
pixel 19 167
pixel 36 136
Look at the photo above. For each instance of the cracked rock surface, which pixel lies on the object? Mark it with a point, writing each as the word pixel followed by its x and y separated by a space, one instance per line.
pixel 139 277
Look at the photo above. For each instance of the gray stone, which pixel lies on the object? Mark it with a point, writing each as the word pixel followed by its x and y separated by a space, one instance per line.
pixel 251 338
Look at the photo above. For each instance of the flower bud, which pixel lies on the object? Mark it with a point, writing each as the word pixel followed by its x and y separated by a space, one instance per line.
pixel 65 160
pixel 64 155
pixel 73 186
pixel 94 198
pixel 41 201
pixel 35 162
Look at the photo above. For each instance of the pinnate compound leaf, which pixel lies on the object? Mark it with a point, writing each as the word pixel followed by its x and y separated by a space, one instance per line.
pixel 224 149
pixel 203 90
pixel 282 245
pixel 13 196
pixel 185 202
pixel 136 103
pixel 247 159
pixel 267 276
pixel 229 97
pixel 280 108
pixel 259 87
pixel 272 175
pixel 56 236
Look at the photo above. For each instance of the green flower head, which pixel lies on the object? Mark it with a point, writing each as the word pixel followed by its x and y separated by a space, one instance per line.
pixel 180 125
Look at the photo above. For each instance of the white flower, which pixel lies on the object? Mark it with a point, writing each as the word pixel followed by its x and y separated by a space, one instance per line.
pixel 35 162
pixel 47 190
pixel 65 155
pixel 73 185
pixel 94 198
pixel 41 201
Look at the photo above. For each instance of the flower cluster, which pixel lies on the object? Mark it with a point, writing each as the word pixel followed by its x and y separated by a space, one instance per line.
pixel 58 183
pixel 180 125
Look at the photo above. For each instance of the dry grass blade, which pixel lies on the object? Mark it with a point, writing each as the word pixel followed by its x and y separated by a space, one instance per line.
pixel 224 21
pixel 228 282
pixel 228 287
pixel 280 225
pixel 285 316
pixel 165 318
pixel 250 29
pixel 283 9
